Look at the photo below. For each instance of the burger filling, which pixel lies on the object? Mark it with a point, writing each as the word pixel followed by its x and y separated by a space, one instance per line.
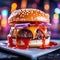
pixel 39 35
pixel 24 33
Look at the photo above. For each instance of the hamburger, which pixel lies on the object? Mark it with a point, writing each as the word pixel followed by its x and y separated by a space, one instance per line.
pixel 29 28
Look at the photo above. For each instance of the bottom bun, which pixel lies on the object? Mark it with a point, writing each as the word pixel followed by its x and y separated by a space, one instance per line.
pixel 33 43
pixel 38 43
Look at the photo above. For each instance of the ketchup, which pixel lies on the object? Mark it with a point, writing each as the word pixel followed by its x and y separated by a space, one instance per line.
pixel 25 44
pixel 10 41
pixel 51 44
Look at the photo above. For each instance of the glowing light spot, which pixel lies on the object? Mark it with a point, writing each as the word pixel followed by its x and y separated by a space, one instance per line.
pixel 0 17
pixel 4 13
pixel 56 16
pixel 57 10
pixel 34 5
pixel 23 3
pixel 46 6
pixel 58 5
pixel 13 7
pixel 4 23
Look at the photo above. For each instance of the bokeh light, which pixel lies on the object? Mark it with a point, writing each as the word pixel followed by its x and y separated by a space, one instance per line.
pixel 4 13
pixel 52 7
pixel 37 1
pixel 34 5
pixel 55 21
pixel 13 7
pixel 24 4
pixel 59 5
pixel 56 16
pixel 0 17
pixel 46 6
pixel 57 10
pixel 4 22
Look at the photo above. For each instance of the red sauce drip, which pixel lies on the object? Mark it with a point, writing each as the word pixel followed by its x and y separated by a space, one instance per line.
pixel 25 41
pixel 27 46
pixel 51 44
pixel 10 41
pixel 43 43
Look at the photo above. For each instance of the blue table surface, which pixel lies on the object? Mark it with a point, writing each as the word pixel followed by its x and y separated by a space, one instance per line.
pixel 31 52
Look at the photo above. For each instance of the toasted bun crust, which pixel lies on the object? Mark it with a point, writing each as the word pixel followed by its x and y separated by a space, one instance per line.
pixel 28 15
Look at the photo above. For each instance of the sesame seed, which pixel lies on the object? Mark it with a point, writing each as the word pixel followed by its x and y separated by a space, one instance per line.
pixel 34 14
pixel 31 11
pixel 32 17
pixel 27 13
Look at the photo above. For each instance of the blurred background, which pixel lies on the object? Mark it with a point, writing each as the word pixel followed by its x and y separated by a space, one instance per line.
pixel 52 7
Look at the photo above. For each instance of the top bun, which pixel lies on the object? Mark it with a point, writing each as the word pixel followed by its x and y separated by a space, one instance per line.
pixel 28 15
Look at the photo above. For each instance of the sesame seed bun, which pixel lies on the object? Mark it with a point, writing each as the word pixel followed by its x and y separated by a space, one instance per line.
pixel 27 15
